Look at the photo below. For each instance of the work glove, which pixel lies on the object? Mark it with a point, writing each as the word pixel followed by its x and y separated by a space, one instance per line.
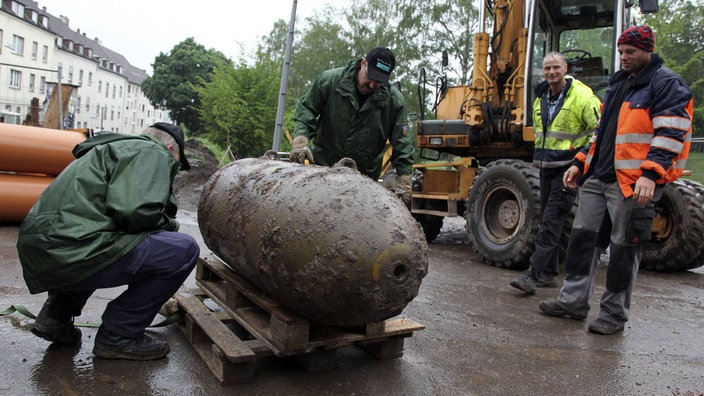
pixel 403 189
pixel 300 152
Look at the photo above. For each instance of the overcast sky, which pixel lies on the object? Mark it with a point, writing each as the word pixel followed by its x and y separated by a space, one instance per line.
pixel 141 29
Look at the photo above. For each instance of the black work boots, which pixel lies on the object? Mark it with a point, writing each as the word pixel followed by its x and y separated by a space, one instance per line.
pixel 110 345
pixel 55 320
pixel 527 283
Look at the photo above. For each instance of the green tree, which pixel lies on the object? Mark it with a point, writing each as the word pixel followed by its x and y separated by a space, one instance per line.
pixel 433 26
pixel 679 39
pixel 322 44
pixel 171 86
pixel 417 31
pixel 238 108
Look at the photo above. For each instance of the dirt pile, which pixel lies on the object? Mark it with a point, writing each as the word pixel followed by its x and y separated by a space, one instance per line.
pixel 188 184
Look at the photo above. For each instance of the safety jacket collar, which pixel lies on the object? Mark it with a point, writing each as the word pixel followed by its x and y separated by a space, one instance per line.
pixel 543 86
pixel 644 77
pixel 104 138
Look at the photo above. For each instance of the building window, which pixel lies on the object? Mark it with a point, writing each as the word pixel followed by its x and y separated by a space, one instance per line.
pixel 78 104
pixel 90 78
pixel 35 50
pixel 70 74
pixel 100 86
pixel 120 90
pixel 107 89
pixel 17 44
pixel 18 9
pixel 15 78
pixel 60 71
pixel 45 53
pixel 1 42
pixel 113 92
pixel 35 16
pixel 32 77
pixel 87 104
pixel 80 77
pixel 42 84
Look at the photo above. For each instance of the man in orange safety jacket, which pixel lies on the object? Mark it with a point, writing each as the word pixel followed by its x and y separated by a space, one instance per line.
pixel 641 143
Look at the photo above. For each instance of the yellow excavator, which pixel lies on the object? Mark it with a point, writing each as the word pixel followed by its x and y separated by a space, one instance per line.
pixel 476 154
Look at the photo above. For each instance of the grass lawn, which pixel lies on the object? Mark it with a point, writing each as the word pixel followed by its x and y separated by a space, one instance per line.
pixel 695 163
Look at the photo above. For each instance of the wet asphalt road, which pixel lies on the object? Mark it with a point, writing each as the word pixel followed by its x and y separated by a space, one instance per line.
pixel 482 338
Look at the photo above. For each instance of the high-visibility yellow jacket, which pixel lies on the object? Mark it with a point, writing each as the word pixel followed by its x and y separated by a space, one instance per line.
pixel 557 141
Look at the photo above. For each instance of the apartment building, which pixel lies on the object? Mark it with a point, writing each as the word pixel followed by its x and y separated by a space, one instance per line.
pixel 40 52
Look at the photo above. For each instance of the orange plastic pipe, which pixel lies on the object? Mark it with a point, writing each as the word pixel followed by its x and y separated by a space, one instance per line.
pixel 19 193
pixel 28 149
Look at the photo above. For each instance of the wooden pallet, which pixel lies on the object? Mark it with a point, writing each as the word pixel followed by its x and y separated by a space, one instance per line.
pixel 274 329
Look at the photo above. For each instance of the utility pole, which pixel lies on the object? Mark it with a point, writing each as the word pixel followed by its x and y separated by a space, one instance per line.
pixel 61 99
pixel 276 145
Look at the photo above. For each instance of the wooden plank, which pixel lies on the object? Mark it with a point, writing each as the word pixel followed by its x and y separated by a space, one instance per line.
pixel 231 346
pixel 401 326
pixel 248 289
pixel 224 370
pixel 286 333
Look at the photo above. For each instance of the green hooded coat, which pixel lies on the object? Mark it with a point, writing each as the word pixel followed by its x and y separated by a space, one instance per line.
pixel 331 117
pixel 97 210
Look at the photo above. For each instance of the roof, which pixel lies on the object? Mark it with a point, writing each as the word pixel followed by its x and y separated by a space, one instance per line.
pixel 105 58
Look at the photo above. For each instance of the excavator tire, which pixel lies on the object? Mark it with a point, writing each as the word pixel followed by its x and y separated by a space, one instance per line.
pixel 698 189
pixel 676 245
pixel 503 213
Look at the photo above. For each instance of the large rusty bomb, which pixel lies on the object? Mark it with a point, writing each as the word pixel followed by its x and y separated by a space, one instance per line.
pixel 329 243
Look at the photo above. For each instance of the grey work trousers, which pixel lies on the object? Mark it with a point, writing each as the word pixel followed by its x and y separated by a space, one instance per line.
pixel 630 227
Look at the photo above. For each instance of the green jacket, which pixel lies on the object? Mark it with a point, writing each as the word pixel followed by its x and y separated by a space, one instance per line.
pixel 97 210
pixel 557 141
pixel 330 116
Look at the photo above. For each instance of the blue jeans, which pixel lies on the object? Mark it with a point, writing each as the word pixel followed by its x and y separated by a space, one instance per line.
pixel 153 271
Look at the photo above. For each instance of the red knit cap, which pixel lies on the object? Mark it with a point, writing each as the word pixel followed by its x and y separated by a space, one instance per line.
pixel 638 36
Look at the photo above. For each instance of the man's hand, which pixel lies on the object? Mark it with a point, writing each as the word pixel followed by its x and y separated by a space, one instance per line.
pixel 300 152
pixel 570 177
pixel 644 191
pixel 403 189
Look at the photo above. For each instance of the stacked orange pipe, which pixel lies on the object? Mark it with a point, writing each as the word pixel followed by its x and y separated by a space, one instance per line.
pixel 30 159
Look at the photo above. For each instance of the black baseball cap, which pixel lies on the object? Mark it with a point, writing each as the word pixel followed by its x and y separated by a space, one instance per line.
pixel 177 134
pixel 380 63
